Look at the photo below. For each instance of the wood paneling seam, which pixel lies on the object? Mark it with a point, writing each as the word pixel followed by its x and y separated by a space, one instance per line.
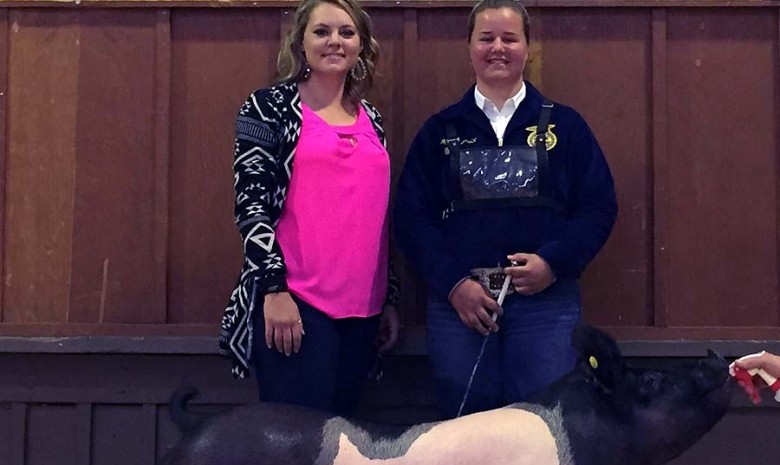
pixel 658 179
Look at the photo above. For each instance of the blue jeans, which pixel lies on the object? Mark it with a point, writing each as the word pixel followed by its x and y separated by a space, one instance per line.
pixel 329 371
pixel 531 349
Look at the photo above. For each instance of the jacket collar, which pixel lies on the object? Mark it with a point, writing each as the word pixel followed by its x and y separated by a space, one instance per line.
pixel 467 108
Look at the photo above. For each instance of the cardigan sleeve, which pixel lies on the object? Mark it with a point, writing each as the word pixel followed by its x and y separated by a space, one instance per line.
pixel 259 193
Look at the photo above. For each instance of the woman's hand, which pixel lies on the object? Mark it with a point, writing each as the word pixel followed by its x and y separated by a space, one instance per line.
pixel 472 302
pixel 283 325
pixel 765 361
pixel 389 327
pixel 531 275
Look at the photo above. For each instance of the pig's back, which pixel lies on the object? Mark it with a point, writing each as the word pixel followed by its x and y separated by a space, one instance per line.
pixel 508 436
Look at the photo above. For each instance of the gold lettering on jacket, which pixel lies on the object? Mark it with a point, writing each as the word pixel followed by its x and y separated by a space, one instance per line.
pixel 461 141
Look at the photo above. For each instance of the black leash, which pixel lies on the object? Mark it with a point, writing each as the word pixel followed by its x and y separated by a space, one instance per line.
pixel 500 301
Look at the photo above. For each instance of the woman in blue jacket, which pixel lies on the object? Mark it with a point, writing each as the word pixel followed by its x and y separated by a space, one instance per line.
pixel 503 182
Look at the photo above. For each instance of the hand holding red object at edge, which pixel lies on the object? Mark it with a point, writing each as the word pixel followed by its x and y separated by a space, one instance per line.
pixel 752 373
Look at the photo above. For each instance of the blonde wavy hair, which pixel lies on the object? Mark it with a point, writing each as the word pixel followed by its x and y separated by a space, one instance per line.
pixel 291 61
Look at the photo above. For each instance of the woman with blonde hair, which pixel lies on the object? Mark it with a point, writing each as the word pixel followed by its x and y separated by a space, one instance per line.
pixel 312 179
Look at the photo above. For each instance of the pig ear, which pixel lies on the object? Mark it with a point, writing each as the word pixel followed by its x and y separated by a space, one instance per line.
pixel 599 354
pixel 710 372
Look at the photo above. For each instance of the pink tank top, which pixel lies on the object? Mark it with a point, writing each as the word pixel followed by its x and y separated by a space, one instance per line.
pixel 333 230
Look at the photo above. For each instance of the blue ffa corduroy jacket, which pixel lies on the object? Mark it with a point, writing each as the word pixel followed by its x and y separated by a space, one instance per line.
pixel 444 249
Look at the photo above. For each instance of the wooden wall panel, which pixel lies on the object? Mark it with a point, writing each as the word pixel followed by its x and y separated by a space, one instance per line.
pixel 82 435
pixel 723 155
pixel 660 169
pixel 166 435
pixel 436 72
pixel 6 429
pixel 50 435
pixel 113 267
pixel 117 434
pixel 219 57
pixel 389 95
pixel 777 149
pixel 413 294
pixel 726 442
pixel 388 91
pixel 3 143
pixel 122 216
pixel 443 68
pixel 598 62
pixel 42 111
pixel 15 419
pixel 162 158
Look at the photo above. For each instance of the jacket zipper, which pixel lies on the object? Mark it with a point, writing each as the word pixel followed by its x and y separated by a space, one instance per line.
pixel 446 212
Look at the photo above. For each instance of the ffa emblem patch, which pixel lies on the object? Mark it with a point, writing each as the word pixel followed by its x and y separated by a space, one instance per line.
pixel 551 140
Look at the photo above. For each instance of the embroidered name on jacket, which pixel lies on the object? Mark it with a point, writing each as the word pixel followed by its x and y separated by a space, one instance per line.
pixel 460 141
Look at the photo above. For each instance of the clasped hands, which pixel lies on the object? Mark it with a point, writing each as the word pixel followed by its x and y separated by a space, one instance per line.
pixel 475 305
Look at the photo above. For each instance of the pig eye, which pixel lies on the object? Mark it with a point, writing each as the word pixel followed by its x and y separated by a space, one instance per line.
pixel 706 381
pixel 650 384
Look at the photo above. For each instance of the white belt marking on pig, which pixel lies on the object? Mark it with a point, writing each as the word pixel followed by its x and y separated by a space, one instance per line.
pixel 508 436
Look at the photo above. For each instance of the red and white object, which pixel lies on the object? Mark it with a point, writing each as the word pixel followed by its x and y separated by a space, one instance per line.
pixel 746 377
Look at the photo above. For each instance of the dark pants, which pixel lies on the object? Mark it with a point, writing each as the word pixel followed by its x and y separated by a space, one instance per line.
pixel 329 371
pixel 531 349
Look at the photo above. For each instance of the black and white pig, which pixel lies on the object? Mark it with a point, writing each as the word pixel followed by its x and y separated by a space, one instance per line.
pixel 601 413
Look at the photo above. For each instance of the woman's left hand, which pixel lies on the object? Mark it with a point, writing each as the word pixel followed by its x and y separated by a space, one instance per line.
pixel 389 327
pixel 532 274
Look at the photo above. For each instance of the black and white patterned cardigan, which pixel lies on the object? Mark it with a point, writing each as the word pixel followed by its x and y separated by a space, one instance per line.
pixel 267 132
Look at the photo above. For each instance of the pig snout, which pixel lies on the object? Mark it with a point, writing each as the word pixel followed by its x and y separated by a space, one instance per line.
pixel 711 376
pixel 678 407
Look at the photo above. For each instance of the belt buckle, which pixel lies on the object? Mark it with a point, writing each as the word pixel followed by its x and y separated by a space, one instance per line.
pixel 496 280
pixel 491 279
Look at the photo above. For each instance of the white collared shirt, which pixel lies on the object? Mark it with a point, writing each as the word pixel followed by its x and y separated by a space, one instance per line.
pixel 499 118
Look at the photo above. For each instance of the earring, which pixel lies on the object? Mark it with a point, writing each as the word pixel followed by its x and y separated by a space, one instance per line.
pixel 359 71
pixel 306 70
